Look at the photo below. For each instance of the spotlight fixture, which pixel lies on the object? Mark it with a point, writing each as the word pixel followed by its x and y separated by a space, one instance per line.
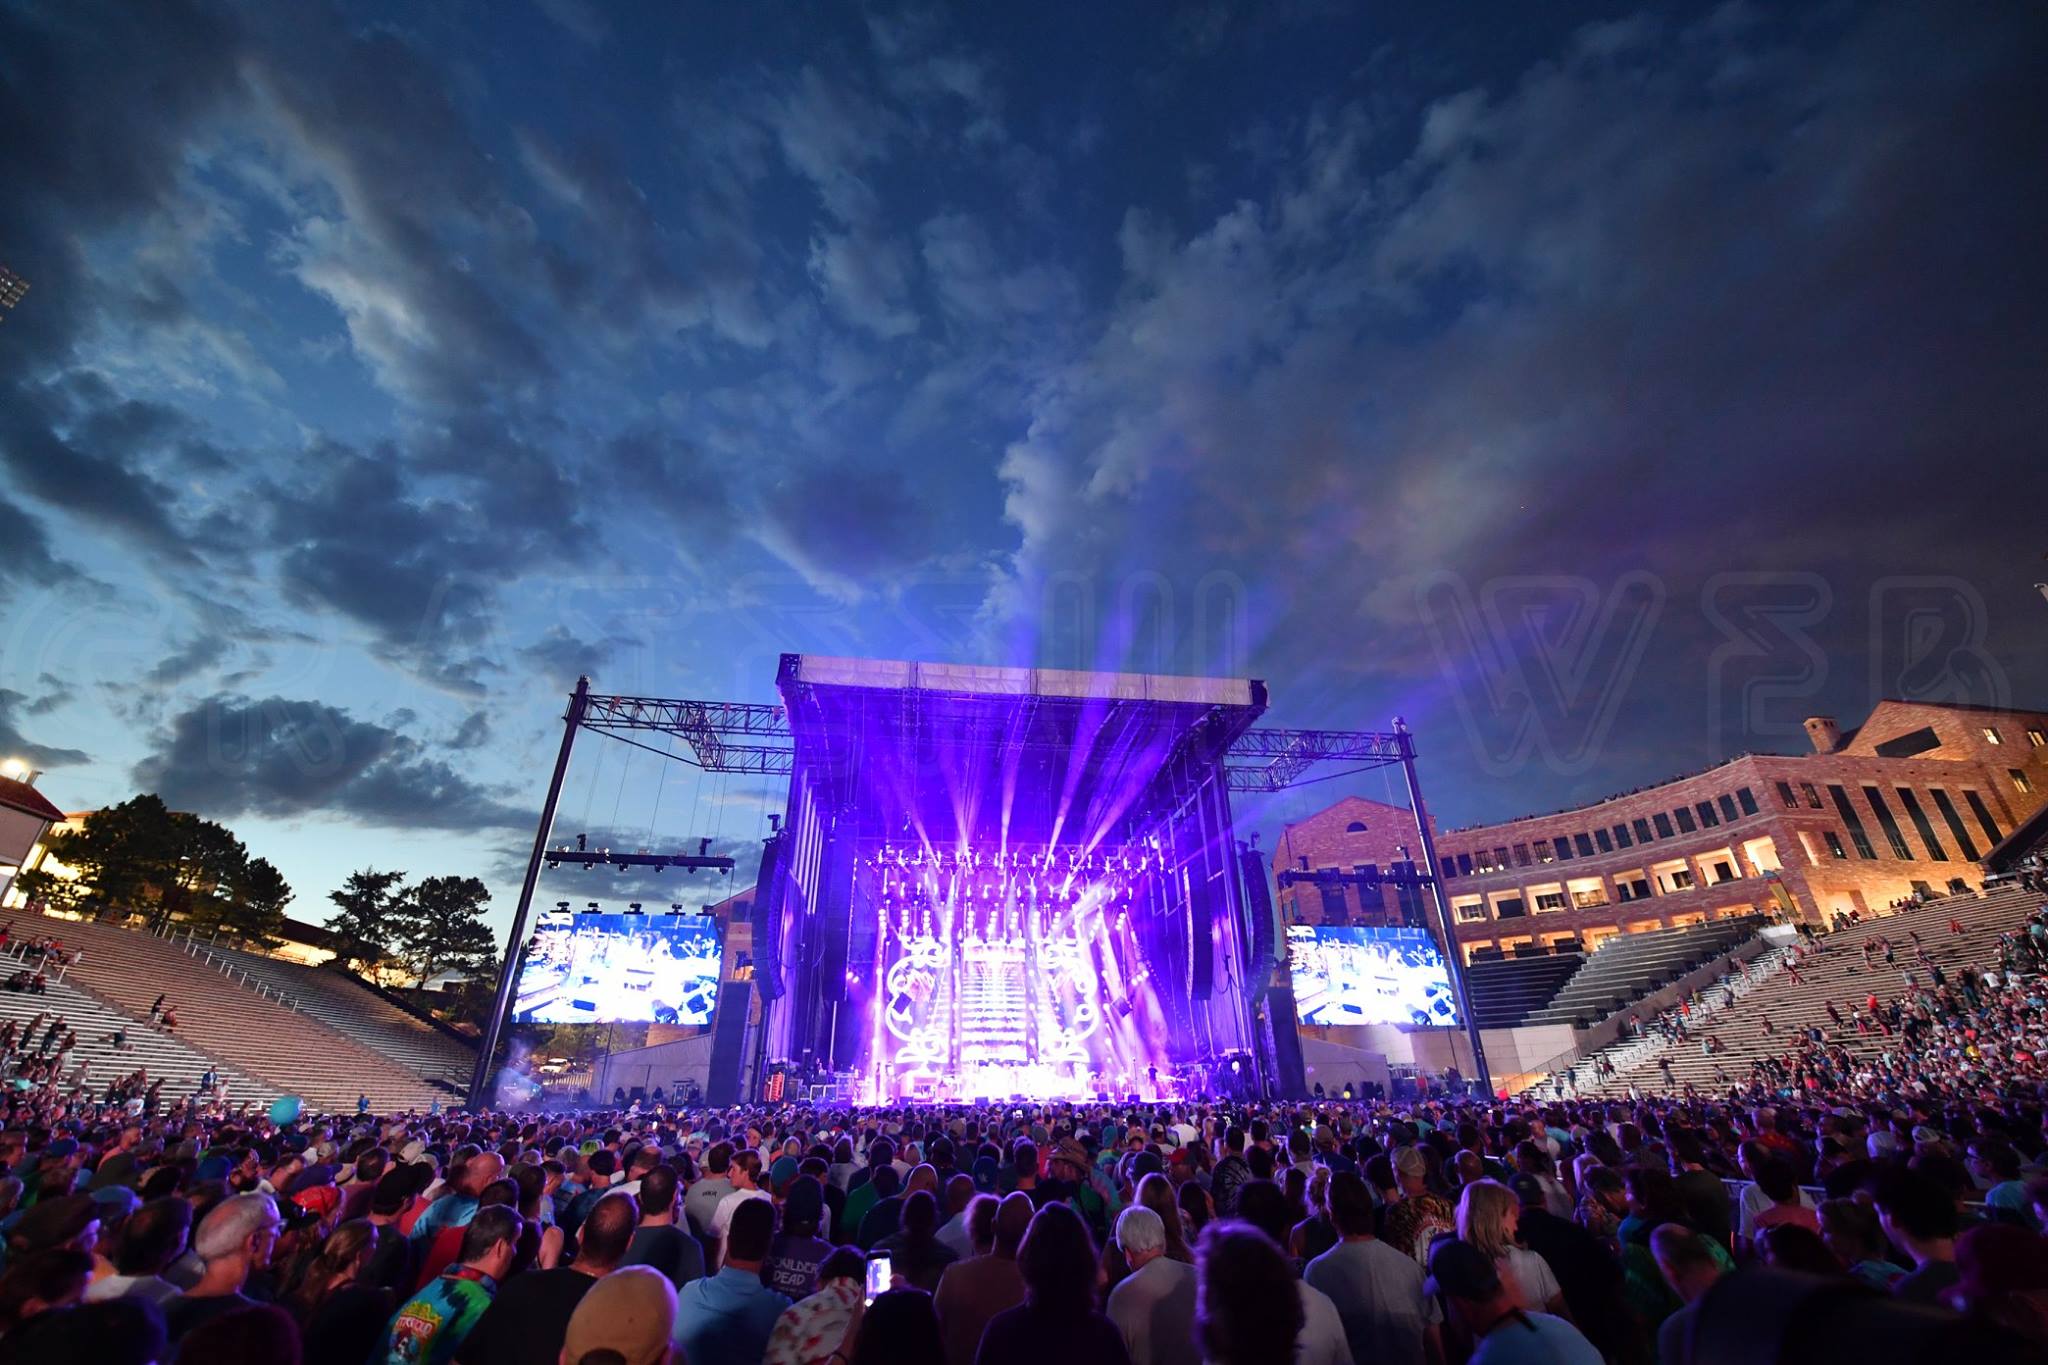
pixel 562 906
pixel 675 907
pixel 590 907
pixel 704 847
pixel 633 908
pixel 583 843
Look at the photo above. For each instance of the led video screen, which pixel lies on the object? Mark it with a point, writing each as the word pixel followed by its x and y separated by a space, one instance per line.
pixel 620 969
pixel 1346 975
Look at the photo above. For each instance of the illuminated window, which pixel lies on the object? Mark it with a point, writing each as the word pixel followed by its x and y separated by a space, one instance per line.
pixel 2038 739
pixel 1991 735
pixel 2019 780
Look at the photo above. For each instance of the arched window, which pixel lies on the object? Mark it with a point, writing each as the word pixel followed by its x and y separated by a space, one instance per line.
pixel 1355 827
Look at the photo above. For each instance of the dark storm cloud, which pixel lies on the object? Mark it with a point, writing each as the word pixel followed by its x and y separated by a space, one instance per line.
pixel 25 552
pixel 279 757
pixel 1734 295
pixel 849 530
pixel 14 744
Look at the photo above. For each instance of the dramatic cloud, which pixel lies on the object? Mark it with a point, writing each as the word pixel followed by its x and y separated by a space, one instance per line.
pixel 278 757
pixel 14 744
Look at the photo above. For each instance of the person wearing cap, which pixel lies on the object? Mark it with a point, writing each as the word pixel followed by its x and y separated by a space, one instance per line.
pixel 628 1317
pixel 727 1318
pixel 1377 1290
pixel 234 1240
pixel 798 1251
pixel 1502 1333
pixel 1153 1307
pixel 68 1222
pixel 528 1322
pixel 150 1240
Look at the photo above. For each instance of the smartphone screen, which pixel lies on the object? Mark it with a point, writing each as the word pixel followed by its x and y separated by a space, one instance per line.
pixel 878 1276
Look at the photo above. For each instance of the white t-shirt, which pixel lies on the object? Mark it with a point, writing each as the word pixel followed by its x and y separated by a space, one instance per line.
pixel 721 1218
pixel 1531 1278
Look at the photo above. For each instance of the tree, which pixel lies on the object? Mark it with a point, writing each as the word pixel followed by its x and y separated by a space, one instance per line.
pixel 441 928
pixel 368 918
pixel 142 857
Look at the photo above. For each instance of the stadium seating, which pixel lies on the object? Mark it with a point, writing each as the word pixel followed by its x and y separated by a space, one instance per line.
pixel 178 1066
pixel 1628 967
pixel 1836 973
pixel 256 1035
pixel 347 1006
pixel 1507 990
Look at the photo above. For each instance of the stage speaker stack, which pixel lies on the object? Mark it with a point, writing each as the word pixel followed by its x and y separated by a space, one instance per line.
pixel 1258 904
pixel 767 921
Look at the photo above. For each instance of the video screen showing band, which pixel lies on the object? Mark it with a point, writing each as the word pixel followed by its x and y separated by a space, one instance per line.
pixel 620 969
pixel 1348 975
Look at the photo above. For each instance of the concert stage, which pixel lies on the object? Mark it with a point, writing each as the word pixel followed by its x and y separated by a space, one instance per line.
pixel 1001 882
pixel 987 882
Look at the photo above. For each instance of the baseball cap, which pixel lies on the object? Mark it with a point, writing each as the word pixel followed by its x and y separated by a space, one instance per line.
pixel 631 1311
pixel 1527 1188
pixel 1460 1270
pixel 53 1222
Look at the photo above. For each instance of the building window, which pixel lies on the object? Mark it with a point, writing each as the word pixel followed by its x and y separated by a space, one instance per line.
pixel 1954 823
pixel 1542 847
pixel 1663 823
pixel 1621 836
pixel 1707 816
pixel 2019 780
pixel 1583 844
pixel 1857 836
pixel 1720 872
pixel 1471 912
pixel 1892 833
pixel 1511 908
pixel 1606 844
pixel 1785 795
pixel 1521 855
pixel 1686 824
pixel 1681 879
pixel 1500 859
pixel 1355 827
pixel 1728 807
pixel 1834 843
pixel 1920 823
pixel 1549 900
pixel 1746 799
pixel 1336 910
pixel 1464 864
pixel 1983 814
pixel 1991 735
pixel 1642 830
pixel 1563 847
pixel 1446 868
pixel 1812 796
pixel 2038 738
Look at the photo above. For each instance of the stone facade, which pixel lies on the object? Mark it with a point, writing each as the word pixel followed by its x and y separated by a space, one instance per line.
pixel 1912 799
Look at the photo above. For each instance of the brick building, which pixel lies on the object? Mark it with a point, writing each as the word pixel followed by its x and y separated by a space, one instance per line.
pixel 1911 800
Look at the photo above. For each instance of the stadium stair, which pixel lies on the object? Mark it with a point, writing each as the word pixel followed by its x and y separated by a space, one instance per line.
pixel 1628 967
pixel 347 1006
pixel 1507 990
pixel 250 1031
pixel 165 1058
pixel 1836 972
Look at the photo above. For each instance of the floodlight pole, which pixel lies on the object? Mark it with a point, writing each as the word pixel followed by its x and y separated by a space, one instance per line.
pixel 509 969
pixel 1404 742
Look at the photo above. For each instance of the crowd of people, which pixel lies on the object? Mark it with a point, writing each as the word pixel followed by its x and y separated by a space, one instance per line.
pixel 1897 1199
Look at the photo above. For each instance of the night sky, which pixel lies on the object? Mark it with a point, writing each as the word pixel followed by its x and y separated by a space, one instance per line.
pixel 1602 388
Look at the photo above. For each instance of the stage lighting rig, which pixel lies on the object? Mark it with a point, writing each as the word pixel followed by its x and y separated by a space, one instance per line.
pixel 633 908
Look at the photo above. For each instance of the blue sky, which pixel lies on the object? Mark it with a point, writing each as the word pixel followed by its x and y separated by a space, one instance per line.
pixel 1604 388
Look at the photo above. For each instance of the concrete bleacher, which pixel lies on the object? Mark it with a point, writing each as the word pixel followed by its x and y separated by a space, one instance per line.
pixel 1507 990
pixel 179 1066
pixel 1628 967
pixel 1836 972
pixel 348 1007
pixel 236 1022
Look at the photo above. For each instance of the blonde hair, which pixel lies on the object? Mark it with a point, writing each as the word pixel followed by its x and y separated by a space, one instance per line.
pixel 1484 1212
